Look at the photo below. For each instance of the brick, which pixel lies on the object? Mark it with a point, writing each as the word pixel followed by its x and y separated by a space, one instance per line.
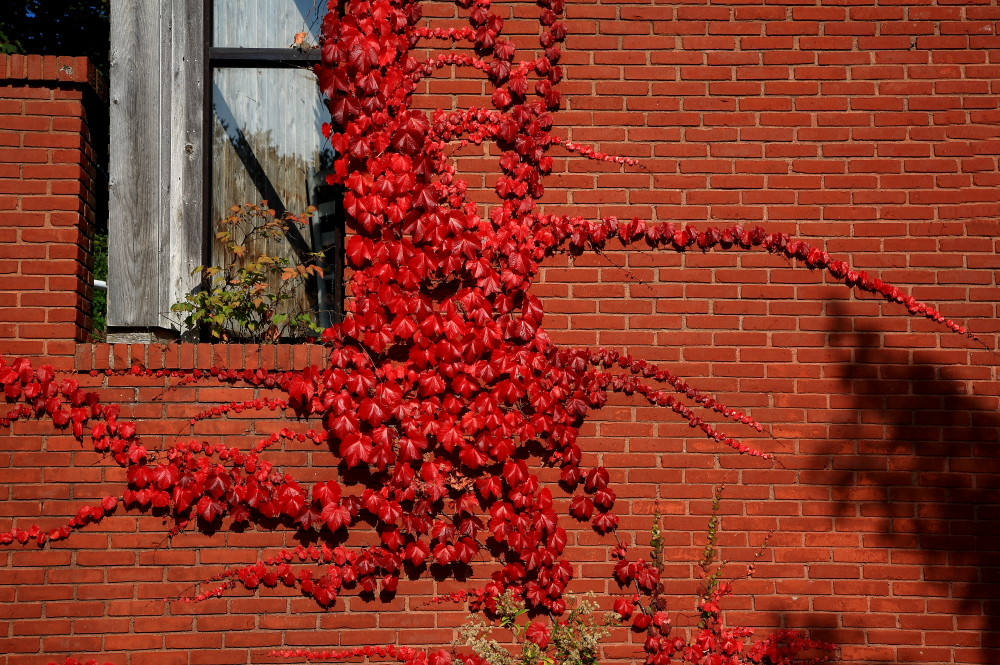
pixel 52 108
pixel 23 155
pixel 52 140
pixel 49 203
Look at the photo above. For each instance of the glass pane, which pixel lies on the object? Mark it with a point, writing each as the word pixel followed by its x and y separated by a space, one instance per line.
pixel 266 23
pixel 268 146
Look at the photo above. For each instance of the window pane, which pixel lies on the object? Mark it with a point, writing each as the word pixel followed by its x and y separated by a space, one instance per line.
pixel 268 145
pixel 266 23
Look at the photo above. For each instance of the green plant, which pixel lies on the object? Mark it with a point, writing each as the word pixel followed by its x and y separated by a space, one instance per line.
pixel 572 640
pixel 711 642
pixel 100 301
pixel 256 297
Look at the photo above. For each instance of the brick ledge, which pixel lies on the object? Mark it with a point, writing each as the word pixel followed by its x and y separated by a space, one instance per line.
pixel 183 356
pixel 53 69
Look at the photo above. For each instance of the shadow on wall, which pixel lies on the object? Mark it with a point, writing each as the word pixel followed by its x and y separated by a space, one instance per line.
pixel 923 478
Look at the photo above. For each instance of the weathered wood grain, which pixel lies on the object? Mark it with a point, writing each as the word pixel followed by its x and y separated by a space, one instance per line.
pixel 156 183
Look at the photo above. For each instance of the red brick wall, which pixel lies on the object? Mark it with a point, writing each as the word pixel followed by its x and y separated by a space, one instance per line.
pixel 47 200
pixel 870 126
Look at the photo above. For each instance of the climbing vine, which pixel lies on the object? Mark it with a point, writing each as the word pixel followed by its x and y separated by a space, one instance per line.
pixel 441 385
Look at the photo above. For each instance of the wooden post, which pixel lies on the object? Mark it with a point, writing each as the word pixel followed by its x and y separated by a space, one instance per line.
pixel 156 180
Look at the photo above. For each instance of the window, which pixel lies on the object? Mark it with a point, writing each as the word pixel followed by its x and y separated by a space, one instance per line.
pixel 211 106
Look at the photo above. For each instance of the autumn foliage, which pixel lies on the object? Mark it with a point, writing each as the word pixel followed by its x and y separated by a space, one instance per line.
pixel 442 388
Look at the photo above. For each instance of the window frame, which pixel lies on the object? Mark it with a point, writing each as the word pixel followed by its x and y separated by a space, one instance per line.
pixel 160 226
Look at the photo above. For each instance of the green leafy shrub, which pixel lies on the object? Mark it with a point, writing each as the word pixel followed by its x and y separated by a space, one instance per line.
pixel 255 298
pixel 573 640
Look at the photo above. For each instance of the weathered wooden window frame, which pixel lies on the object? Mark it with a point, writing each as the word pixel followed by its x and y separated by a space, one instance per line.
pixel 160 146
pixel 327 220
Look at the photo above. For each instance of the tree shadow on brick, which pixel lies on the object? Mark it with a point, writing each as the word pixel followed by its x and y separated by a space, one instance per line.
pixel 914 448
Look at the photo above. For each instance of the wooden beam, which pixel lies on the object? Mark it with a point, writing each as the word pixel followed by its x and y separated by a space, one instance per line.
pixel 156 183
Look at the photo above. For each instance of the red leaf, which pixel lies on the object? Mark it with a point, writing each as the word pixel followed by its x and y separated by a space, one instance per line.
pixel 444 554
pixel 45 373
pixel 326 493
pixel 165 475
pixel 641 621
pixel 597 479
pixel 647 578
pixel 390 512
pixel 581 507
pixel 355 450
pixel 417 552
pixel 216 485
pixel 604 498
pixel 539 633
pixel 515 472
pixel 624 607
pixel 466 549
pixel 335 516
pixel 209 509
pixel 490 487
pixel 605 522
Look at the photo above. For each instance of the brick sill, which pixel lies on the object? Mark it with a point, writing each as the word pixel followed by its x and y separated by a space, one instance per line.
pixel 184 356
